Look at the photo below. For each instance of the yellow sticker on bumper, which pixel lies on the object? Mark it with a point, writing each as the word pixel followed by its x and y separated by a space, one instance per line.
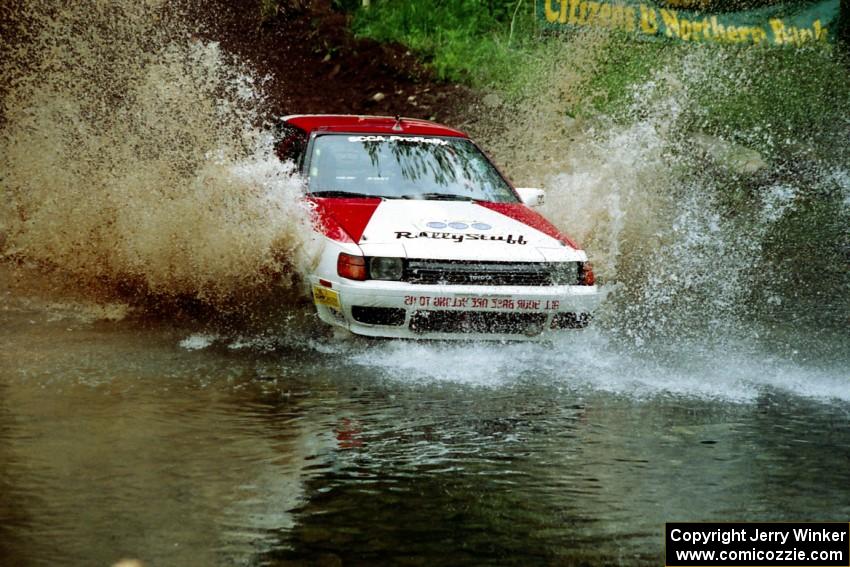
pixel 325 296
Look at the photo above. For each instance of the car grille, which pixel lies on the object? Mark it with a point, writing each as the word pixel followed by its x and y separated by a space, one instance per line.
pixel 391 316
pixel 490 273
pixel 477 322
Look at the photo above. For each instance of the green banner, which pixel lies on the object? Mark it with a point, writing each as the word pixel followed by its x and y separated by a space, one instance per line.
pixel 779 23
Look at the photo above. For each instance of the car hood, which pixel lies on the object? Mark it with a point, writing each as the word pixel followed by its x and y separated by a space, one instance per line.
pixel 450 230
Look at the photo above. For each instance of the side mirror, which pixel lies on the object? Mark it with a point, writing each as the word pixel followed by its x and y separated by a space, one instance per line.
pixel 530 196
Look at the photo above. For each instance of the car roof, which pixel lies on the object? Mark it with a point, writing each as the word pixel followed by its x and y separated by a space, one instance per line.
pixel 370 124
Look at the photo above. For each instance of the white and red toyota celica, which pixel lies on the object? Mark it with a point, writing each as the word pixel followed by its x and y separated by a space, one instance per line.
pixel 423 237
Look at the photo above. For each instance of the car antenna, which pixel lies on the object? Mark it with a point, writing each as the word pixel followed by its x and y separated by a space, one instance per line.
pixel 397 126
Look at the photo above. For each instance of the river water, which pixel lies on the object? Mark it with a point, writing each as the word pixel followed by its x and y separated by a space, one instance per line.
pixel 136 438
pixel 166 394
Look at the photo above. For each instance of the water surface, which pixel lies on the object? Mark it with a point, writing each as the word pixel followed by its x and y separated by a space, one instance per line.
pixel 125 439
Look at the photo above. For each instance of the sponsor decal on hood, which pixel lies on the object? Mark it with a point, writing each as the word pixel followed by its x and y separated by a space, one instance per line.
pixel 458 238
pixel 459 230
pixel 457 222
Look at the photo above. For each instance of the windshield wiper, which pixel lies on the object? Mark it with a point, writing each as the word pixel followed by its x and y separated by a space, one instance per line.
pixel 332 193
pixel 440 197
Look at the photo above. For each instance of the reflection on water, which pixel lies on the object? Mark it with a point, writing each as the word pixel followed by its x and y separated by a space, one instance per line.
pixel 109 451
pixel 115 441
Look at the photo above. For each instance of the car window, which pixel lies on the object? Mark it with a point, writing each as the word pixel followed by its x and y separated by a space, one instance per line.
pixel 404 167
pixel 292 142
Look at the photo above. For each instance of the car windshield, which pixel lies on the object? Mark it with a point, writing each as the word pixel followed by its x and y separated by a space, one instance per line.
pixel 404 167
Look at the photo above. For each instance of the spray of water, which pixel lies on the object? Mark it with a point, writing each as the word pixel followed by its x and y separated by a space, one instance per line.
pixel 134 153
pixel 711 225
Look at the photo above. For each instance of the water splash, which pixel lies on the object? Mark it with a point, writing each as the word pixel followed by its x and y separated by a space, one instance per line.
pixel 592 362
pixel 701 217
pixel 135 153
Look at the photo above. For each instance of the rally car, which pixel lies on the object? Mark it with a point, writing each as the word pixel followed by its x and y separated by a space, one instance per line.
pixel 423 237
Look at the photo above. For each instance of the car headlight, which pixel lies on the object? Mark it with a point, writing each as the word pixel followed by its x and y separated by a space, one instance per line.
pixel 565 273
pixel 381 268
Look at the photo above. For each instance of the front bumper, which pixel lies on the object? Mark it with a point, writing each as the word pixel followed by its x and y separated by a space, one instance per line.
pixel 403 310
